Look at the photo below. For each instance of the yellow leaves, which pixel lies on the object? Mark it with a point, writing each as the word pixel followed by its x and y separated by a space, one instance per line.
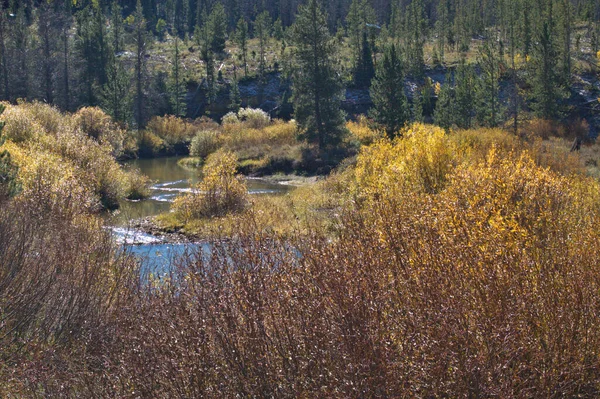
pixel 361 131
pixel 70 155
pixel 219 192
pixel 418 161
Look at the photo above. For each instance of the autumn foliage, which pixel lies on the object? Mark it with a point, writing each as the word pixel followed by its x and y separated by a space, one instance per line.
pixel 455 265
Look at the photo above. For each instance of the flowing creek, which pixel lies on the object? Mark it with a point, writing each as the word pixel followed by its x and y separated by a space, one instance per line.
pixel 169 180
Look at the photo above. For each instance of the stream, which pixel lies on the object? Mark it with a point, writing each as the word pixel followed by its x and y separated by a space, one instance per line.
pixel 169 180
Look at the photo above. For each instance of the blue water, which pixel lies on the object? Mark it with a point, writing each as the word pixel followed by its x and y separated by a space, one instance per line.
pixel 157 259
pixel 169 181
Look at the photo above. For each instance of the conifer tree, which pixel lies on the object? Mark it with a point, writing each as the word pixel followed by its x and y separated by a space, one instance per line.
pixel 116 22
pixel 443 115
pixel 115 96
pixel 360 16
pixel 464 89
pixel 415 37
pixel 241 39
pixel 278 30
pixel 204 40
pixel 547 88
pixel 217 26
pixel 390 110
pixel 4 55
pixel 365 70
pixel 177 88
pixel 47 33
pixel 140 39
pixel 317 90
pixel 262 28
pixel 488 103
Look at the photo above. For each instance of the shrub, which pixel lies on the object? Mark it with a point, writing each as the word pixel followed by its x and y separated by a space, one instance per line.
pixel 175 132
pixel 47 116
pixel 361 131
pixel 95 123
pixel 150 144
pixel 254 118
pixel 20 125
pixel 204 143
pixel 220 191
pixel 418 161
pixel 77 152
pixel 230 118
pixel 137 185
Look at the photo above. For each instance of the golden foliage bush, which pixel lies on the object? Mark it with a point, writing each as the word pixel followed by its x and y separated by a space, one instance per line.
pixel 49 117
pixel 172 130
pixel 95 123
pixel 418 161
pixel 361 131
pixel 220 191
pixel 204 143
pixel 78 148
pixel 20 125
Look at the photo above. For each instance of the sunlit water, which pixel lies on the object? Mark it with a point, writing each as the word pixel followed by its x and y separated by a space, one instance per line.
pixel 169 180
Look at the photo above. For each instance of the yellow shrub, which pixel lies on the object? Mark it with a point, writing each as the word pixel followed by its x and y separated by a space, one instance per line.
pixel 511 193
pixel 220 191
pixel 20 125
pixel 78 149
pixel 171 129
pixel 204 143
pixel 51 182
pixel 361 131
pixel 95 123
pixel 48 117
pixel 418 161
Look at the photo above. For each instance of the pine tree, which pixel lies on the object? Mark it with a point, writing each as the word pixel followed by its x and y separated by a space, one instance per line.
pixel 360 15
pixel 443 115
pixel 442 26
pixel 278 30
pixel 181 17
pixel 92 47
pixel 415 37
pixel 115 96
pixel 4 55
pixel 47 32
pixel 141 49
pixel 241 39
pixel 217 26
pixel 464 95
pixel 262 28
pixel 317 90
pixel 177 89
pixel 21 40
pixel 390 110
pixel 204 40
pixel 488 90
pixel 116 22
pixel 547 88
pixel 365 70
pixel 565 29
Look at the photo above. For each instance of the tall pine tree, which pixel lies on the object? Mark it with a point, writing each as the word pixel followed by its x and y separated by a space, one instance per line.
pixel 391 109
pixel 317 90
